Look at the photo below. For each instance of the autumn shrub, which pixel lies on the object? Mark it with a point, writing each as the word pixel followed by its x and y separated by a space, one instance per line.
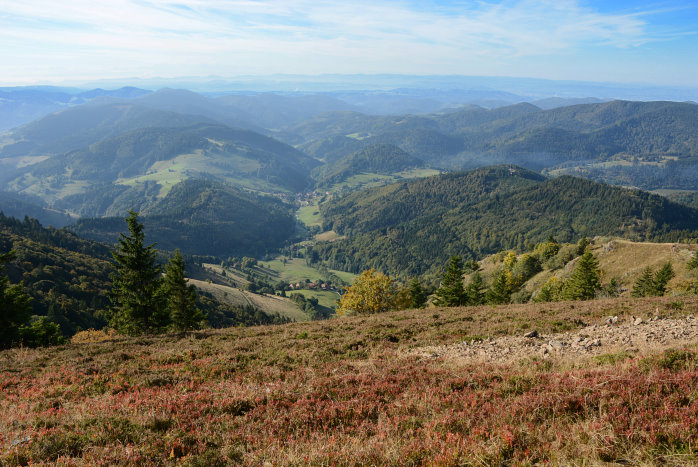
pixel 92 336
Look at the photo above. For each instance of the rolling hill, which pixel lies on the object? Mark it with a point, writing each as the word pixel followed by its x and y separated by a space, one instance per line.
pixel 154 159
pixel 413 227
pixel 205 218
pixel 619 142
pixel 383 159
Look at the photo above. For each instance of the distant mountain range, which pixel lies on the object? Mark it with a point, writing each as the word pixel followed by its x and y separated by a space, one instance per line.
pixel 104 152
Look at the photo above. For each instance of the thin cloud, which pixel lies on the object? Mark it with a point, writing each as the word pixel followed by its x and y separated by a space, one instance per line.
pixel 248 36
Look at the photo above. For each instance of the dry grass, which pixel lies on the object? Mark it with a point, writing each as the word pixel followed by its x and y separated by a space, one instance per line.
pixel 343 392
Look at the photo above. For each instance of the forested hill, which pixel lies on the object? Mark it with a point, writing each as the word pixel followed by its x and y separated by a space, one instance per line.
pixel 412 228
pixel 380 158
pixel 208 218
pixel 621 142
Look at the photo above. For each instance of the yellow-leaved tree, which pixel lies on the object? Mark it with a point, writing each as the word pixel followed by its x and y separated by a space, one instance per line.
pixel 372 292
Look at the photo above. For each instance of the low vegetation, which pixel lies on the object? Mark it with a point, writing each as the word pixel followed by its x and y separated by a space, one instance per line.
pixel 349 391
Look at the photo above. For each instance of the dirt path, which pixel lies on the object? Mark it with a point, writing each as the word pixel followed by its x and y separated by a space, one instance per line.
pixel 632 336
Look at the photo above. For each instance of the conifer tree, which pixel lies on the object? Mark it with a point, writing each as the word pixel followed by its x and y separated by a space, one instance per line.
pixel 180 297
pixel 662 278
pixel 136 302
pixel 474 294
pixel 499 293
pixel 418 297
pixel 585 280
pixel 644 285
pixel 451 292
pixel 15 306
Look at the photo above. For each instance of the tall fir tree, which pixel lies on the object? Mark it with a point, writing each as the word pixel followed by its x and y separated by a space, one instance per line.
pixel 644 285
pixel 180 297
pixel 500 292
pixel 585 279
pixel 15 306
pixel 136 301
pixel 474 291
pixel 662 278
pixel 451 292
pixel 418 297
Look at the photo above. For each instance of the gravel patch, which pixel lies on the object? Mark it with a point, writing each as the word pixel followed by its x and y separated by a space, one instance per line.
pixel 632 335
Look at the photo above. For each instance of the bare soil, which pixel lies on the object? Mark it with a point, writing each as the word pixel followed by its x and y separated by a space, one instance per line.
pixel 629 335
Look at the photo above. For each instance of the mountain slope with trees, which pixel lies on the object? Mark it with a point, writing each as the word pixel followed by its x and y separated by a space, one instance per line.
pixel 376 158
pixel 413 227
pixel 207 218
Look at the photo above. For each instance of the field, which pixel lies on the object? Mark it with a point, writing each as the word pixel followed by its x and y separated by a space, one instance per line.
pixel 310 215
pixel 356 391
pixel 325 298
pixel 296 270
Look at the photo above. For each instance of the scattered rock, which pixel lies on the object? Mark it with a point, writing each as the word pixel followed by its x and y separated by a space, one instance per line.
pixel 625 334
pixel 612 319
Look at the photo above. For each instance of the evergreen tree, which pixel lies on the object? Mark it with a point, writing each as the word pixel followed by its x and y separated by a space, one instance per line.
pixel 644 285
pixel 662 278
pixel 15 306
pixel 585 280
pixel 474 294
pixel 499 293
pixel 693 262
pixel 136 302
pixel 582 245
pixel 451 292
pixel 418 297
pixel 180 297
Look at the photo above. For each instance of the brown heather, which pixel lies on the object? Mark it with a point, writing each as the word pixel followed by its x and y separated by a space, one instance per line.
pixel 353 391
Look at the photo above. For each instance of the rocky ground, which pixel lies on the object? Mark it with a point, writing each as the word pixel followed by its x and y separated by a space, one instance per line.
pixel 630 335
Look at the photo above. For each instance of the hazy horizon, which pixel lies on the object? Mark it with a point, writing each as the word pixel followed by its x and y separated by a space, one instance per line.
pixel 636 43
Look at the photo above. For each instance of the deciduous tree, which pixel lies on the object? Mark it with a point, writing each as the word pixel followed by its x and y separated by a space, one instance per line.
pixel 371 292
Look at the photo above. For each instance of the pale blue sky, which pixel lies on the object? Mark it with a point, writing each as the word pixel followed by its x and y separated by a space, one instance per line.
pixel 49 41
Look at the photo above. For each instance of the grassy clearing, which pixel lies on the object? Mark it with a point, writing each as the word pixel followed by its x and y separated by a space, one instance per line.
pixel 310 215
pixel 296 270
pixel 343 392
pixel 325 298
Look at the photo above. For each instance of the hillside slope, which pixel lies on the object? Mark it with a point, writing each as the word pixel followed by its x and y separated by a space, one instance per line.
pixel 412 228
pixel 376 158
pixel 207 218
pixel 163 157
pixel 367 390
pixel 619 141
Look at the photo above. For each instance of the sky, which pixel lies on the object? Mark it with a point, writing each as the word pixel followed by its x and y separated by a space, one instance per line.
pixel 74 41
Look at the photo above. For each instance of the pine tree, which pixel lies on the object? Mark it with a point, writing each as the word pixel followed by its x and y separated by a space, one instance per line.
pixel 585 280
pixel 662 278
pixel 451 291
pixel 499 293
pixel 418 297
pixel 180 297
pixel 644 285
pixel 474 294
pixel 15 306
pixel 136 302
